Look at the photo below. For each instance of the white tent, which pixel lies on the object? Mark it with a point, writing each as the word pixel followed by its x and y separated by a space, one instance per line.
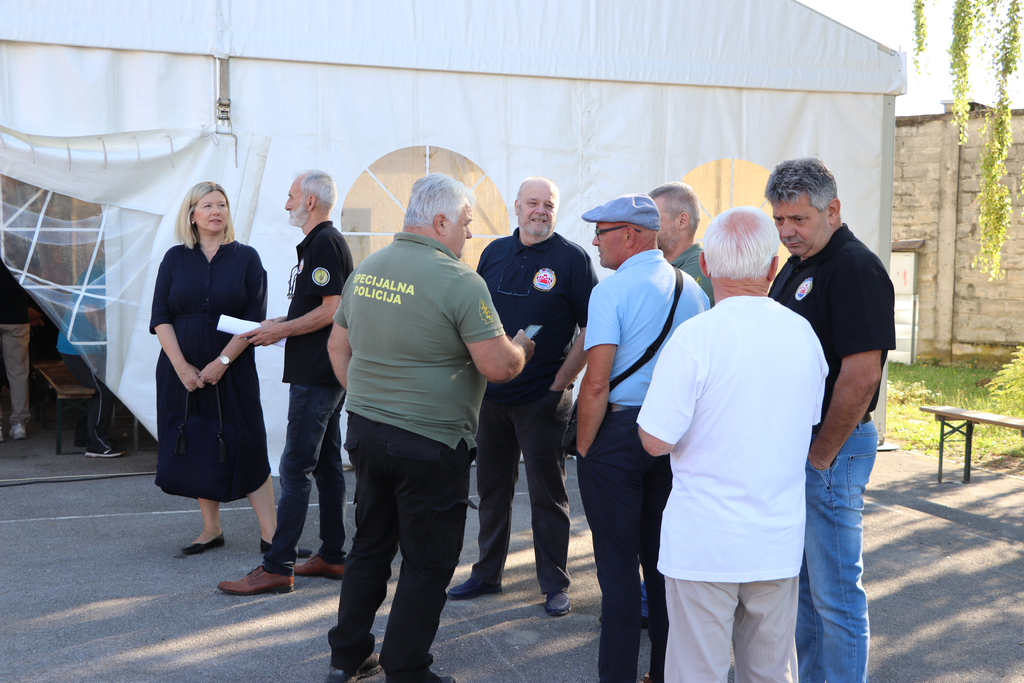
pixel 110 110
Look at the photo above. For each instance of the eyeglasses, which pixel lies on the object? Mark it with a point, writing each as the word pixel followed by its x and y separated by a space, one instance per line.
pixel 291 281
pixel 524 283
pixel 598 232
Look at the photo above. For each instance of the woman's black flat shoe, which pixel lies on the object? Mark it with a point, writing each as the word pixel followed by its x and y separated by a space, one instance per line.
pixel 196 548
pixel 265 548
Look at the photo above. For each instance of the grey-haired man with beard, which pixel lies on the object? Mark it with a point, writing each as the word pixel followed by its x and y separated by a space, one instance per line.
pixel 312 447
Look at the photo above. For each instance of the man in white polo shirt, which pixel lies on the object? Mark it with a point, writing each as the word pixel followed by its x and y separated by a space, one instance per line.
pixel 733 398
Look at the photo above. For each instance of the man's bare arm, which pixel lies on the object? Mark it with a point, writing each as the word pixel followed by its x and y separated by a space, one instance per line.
pixel 574 362
pixel 500 359
pixel 593 398
pixel 340 352
pixel 272 331
pixel 856 384
pixel 653 445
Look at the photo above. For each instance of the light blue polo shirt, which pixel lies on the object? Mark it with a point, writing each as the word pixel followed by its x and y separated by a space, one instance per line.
pixel 629 309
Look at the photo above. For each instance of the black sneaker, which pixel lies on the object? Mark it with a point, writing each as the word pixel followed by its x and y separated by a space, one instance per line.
pixel 106 453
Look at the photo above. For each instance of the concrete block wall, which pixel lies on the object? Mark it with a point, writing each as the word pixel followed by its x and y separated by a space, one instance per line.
pixel 962 315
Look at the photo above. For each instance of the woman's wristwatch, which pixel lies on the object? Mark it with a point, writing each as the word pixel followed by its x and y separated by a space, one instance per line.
pixel 224 359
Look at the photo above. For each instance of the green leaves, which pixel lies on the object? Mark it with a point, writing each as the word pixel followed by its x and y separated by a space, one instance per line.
pixel 996 23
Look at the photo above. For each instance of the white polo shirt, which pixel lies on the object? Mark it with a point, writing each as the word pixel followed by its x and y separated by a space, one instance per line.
pixel 737 390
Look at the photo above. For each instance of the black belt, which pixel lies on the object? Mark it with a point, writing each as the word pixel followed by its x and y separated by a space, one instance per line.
pixel 866 418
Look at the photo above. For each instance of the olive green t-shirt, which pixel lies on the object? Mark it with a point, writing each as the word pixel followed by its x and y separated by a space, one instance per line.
pixel 410 309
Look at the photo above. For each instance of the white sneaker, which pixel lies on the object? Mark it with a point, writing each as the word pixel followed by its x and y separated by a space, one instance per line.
pixel 105 453
pixel 18 431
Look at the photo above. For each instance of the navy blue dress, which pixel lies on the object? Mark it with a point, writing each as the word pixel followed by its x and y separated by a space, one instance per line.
pixel 191 294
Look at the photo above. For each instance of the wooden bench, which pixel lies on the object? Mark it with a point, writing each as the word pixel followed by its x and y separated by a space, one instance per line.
pixel 69 391
pixel 946 415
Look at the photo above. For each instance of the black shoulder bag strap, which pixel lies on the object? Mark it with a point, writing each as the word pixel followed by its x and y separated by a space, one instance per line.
pixel 653 348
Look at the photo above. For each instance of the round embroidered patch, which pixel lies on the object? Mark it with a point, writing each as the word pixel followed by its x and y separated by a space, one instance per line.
pixel 321 276
pixel 804 289
pixel 544 280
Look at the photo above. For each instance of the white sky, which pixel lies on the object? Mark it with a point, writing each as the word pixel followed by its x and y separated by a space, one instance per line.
pixel 891 22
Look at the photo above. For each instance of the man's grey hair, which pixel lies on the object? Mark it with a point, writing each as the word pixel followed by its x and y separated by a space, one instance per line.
pixel 794 177
pixel 739 244
pixel 321 186
pixel 554 188
pixel 436 194
pixel 679 198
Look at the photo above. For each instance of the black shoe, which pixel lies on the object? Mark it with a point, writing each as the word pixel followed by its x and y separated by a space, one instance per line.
pixel 196 548
pixel 265 548
pixel 366 669
pixel 471 588
pixel 557 604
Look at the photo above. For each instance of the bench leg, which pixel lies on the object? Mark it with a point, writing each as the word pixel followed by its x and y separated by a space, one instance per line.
pixel 967 453
pixel 942 440
pixel 60 428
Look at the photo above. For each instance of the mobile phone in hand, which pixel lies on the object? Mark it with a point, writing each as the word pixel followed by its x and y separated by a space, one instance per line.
pixel 532 330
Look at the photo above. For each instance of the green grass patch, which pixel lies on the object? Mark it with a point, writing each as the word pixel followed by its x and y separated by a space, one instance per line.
pixel 960 386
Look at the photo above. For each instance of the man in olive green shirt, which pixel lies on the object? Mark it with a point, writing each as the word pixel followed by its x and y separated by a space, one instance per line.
pixel 415 341
pixel 680 218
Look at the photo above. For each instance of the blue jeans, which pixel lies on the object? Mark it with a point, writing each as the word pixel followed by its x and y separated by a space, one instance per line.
pixel 832 624
pixel 312 449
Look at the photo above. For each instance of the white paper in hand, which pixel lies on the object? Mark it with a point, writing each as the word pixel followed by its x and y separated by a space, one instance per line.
pixel 238 326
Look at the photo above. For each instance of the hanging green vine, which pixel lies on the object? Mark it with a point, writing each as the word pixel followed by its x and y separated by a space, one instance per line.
pixel 997 24
pixel 994 199
pixel 960 62
pixel 920 34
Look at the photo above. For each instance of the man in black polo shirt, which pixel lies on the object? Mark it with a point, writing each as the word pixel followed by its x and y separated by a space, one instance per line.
pixel 834 281
pixel 313 441
pixel 535 277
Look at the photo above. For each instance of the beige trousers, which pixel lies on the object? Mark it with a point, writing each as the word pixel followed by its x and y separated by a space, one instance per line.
pixel 758 618
pixel 14 346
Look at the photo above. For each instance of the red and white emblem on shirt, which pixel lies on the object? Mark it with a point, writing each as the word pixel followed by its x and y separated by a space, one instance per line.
pixel 804 289
pixel 544 280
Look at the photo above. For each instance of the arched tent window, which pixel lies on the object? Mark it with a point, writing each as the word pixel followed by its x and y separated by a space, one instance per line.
pixel 84 263
pixel 375 205
pixel 725 183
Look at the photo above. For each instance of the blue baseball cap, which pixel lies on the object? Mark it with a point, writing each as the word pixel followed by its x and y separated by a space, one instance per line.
pixel 636 209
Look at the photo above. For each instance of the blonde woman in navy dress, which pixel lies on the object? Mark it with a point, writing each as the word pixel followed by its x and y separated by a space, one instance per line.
pixel 206 275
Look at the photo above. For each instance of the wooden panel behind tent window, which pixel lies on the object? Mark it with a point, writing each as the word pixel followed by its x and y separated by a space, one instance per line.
pixel 725 183
pixel 56 240
pixel 375 205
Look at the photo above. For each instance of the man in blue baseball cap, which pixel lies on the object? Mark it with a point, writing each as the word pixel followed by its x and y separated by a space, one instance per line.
pixel 624 490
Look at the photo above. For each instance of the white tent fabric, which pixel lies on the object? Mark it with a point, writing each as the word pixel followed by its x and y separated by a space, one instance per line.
pixel 724 44
pixel 604 98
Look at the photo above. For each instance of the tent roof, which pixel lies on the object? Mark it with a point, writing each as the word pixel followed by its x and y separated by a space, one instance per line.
pixel 762 44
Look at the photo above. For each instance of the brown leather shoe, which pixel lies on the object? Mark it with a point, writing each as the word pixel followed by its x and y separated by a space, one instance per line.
pixel 258 581
pixel 315 566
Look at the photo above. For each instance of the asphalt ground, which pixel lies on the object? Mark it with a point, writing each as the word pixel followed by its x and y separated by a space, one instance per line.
pixel 95 588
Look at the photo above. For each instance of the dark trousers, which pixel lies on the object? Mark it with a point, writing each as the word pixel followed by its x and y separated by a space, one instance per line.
pixel 624 491
pixel 93 427
pixel 312 450
pixel 537 429
pixel 411 494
